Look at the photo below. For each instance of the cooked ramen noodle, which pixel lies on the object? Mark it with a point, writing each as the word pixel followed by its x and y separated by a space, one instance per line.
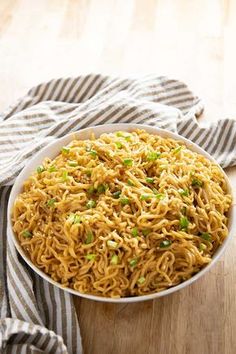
pixel 127 214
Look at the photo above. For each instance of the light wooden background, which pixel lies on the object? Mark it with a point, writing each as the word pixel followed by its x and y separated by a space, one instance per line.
pixel 193 40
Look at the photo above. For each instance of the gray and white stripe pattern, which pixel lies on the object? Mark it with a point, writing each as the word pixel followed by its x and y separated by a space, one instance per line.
pixel 35 316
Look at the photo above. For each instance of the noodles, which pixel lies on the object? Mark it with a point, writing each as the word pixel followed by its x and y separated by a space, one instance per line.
pixel 127 214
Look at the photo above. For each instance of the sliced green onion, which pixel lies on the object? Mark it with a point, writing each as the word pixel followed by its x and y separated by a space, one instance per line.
pixel 116 194
pixel 77 219
pixel 124 201
pixel 65 150
pixel 202 246
pixel 89 238
pixel 40 169
pixel 91 190
pixel 88 173
pixel 134 232
pixel 128 162
pixel 145 232
pixel 160 196
pixel 128 138
pixel 152 156
pixel 130 183
pixel 184 210
pixel 114 259
pixel 51 202
pixel 141 280
pixel 183 223
pixel 133 262
pixel 90 256
pixel 101 188
pixel 177 150
pixel 184 192
pixel 93 153
pixel 165 243
pixel 150 180
pixel 120 135
pixel 118 144
pixel 91 204
pixel 197 183
pixel 112 244
pixel 27 234
pixel 206 236
pixel 146 196
pixel 74 218
pixel 64 176
pixel 52 169
pixel 72 163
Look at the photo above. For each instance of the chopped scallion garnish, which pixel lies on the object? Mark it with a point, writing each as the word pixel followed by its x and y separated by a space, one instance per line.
pixel 202 246
pixel 184 192
pixel 74 218
pixel 119 134
pixel 91 204
pixel 160 196
pixel 91 190
pixel 150 180
pixel 141 280
pixel 27 234
pixel 130 183
pixel 40 169
pixel 89 238
pixel 134 232
pixel 91 256
pixel 165 243
pixel 197 183
pixel 152 156
pixel 88 173
pixel 133 262
pixel 116 194
pixel 183 223
pixel 124 201
pixel 93 153
pixel 51 202
pixel 114 259
pixel 64 176
pixel 128 162
pixel 72 163
pixel 52 169
pixel 146 196
pixel 177 150
pixel 118 144
pixel 101 188
pixel 206 236
pixel 112 244
pixel 65 150
pixel 77 219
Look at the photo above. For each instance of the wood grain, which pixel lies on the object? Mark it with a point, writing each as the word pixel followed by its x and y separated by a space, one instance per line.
pixel 191 40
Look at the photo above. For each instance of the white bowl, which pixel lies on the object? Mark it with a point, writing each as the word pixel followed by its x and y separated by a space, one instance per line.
pixel 54 148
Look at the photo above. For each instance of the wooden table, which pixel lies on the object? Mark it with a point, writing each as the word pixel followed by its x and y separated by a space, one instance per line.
pixel 192 40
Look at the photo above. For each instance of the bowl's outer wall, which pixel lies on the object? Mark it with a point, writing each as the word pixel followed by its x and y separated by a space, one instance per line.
pixel 54 148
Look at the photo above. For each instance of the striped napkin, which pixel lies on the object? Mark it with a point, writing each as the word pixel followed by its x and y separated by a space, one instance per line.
pixel 36 317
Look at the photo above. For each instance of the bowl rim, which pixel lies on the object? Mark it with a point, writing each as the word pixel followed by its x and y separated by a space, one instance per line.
pixel 100 129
